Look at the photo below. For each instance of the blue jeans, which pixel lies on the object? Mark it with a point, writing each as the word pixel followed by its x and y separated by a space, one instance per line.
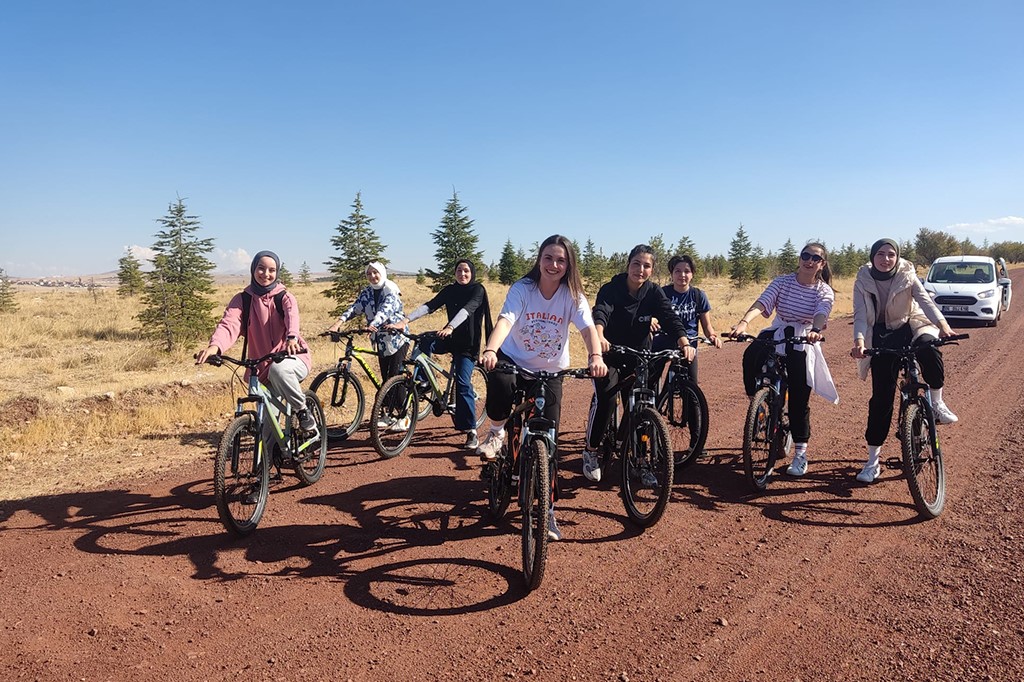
pixel 465 398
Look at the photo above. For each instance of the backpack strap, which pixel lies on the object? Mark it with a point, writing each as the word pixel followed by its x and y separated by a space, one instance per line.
pixel 247 304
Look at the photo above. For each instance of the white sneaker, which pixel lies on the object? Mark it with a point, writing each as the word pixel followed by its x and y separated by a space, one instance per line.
pixel 489 449
pixel 472 442
pixel 870 472
pixel 798 467
pixel 385 423
pixel 591 466
pixel 400 425
pixel 553 533
pixel 944 415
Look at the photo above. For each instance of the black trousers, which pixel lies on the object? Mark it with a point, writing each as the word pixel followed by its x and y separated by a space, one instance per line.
pixel 755 356
pixel 884 373
pixel 501 388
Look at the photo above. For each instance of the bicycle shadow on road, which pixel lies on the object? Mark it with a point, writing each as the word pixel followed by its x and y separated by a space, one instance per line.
pixel 826 495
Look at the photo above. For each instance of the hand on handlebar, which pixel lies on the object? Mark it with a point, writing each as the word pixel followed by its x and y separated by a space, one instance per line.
pixel 596 365
pixel 202 355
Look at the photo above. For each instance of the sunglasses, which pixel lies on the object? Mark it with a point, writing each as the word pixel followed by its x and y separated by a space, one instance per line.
pixel 811 257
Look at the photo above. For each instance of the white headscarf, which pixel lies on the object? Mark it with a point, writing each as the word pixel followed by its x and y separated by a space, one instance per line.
pixel 384 281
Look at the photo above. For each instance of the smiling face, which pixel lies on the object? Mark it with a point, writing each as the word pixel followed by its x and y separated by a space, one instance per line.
pixel 885 258
pixel 463 274
pixel 812 260
pixel 682 275
pixel 553 262
pixel 265 273
pixel 639 270
pixel 372 276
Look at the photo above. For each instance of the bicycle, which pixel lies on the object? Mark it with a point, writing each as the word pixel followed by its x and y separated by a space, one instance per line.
pixel 766 435
pixel 531 476
pixel 685 408
pixel 641 439
pixel 418 386
pixel 340 390
pixel 919 439
pixel 241 471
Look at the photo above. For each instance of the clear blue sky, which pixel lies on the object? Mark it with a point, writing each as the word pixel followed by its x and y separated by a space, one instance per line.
pixel 609 120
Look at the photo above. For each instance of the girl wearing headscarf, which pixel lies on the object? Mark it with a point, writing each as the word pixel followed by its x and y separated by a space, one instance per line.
pixel 466 304
pixel 381 303
pixel 268 332
pixel 891 309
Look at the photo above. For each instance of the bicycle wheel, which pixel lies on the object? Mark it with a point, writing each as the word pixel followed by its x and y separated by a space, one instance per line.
pixel 685 409
pixel 922 459
pixel 480 391
pixel 241 476
pixel 536 501
pixel 393 418
pixel 310 461
pixel 606 450
pixel 424 394
pixel 759 432
pixel 647 465
pixel 343 402
pixel 499 480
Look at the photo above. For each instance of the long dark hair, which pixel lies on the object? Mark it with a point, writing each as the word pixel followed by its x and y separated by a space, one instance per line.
pixel 571 277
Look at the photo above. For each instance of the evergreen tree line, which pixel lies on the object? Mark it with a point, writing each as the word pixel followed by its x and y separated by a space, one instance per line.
pixel 176 308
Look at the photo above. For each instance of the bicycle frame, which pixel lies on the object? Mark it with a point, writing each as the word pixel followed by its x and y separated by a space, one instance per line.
pixel 431 369
pixel 268 405
pixel 352 352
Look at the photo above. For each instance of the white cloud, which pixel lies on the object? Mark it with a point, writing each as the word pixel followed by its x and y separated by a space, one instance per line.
pixel 233 260
pixel 1010 224
pixel 143 253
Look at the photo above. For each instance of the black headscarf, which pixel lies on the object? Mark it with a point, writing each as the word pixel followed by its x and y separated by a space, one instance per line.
pixel 875 272
pixel 461 293
pixel 257 288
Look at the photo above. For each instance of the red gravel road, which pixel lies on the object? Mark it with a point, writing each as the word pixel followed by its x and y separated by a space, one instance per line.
pixel 390 570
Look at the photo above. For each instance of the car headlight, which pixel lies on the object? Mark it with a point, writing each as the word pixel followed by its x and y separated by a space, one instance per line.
pixel 988 293
pixel 931 293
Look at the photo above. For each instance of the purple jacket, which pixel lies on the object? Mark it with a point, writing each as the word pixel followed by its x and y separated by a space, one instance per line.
pixel 267 332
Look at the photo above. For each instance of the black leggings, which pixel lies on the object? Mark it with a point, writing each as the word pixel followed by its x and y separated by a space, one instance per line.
pixel 884 369
pixel 799 391
pixel 501 388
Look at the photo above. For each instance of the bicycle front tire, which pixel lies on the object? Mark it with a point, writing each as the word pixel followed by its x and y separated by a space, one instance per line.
pixel 759 434
pixel 241 477
pixel 310 463
pixel 922 459
pixel 396 402
pixel 647 468
pixel 499 481
pixel 685 409
pixel 343 401
pixel 536 501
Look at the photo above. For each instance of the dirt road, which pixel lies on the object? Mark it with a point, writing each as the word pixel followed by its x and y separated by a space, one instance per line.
pixel 390 570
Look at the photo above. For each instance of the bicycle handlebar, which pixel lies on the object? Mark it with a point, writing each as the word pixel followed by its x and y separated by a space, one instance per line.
pixel 508 368
pixel 251 363
pixel 910 350
pixel 791 341
pixel 647 354
pixel 346 334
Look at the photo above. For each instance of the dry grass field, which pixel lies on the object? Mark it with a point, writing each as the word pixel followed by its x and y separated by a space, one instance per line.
pixel 81 385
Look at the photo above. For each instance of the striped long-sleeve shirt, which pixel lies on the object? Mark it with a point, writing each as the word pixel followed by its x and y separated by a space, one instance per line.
pixel 794 302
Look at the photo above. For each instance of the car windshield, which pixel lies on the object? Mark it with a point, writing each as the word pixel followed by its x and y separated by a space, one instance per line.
pixel 961 273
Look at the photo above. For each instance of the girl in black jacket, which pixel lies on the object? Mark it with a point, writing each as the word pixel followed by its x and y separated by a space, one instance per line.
pixel 467 306
pixel 622 316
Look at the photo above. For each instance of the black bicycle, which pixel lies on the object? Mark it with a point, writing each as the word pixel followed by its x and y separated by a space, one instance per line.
pixel 532 475
pixel 919 439
pixel 766 435
pixel 641 440
pixel 406 398
pixel 241 472
pixel 685 408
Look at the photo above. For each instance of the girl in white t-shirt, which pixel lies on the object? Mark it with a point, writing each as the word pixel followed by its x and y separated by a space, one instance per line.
pixel 532 331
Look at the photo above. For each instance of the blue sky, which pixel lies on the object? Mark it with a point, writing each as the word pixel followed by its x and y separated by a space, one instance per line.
pixel 613 121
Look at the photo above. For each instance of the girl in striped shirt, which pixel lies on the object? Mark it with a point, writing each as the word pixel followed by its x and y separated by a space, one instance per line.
pixel 801 300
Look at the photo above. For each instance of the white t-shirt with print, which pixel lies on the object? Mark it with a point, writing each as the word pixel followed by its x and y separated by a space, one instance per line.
pixel 539 339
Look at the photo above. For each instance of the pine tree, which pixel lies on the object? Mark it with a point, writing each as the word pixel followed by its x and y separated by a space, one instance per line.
pixel 356 243
pixel 740 269
pixel 304 275
pixel 759 263
pixel 509 268
pixel 592 267
pixel 421 277
pixel 7 302
pixel 788 257
pixel 284 276
pixel 455 239
pixel 130 281
pixel 175 308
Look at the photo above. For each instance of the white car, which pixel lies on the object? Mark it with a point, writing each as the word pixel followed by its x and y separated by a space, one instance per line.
pixel 970 287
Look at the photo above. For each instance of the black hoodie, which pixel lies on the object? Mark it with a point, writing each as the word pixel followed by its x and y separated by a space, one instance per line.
pixel 627 319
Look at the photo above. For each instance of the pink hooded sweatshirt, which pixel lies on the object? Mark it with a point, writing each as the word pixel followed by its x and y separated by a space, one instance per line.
pixel 267 332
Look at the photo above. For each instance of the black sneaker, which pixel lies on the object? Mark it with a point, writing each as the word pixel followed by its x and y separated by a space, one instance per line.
pixel 253 496
pixel 472 442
